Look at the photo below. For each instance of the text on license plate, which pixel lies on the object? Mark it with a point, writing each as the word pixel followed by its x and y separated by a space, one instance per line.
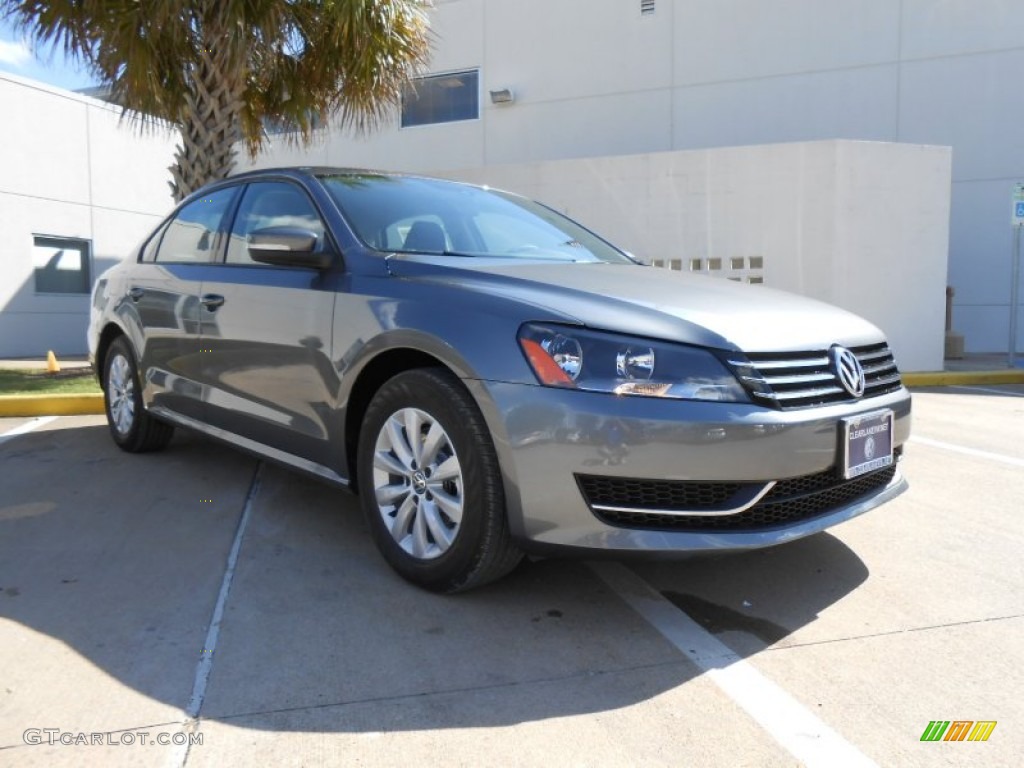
pixel 866 442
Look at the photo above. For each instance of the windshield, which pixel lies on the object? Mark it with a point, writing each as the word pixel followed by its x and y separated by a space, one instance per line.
pixel 398 214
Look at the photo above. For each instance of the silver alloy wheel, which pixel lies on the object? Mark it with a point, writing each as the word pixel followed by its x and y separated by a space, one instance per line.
pixel 417 481
pixel 121 394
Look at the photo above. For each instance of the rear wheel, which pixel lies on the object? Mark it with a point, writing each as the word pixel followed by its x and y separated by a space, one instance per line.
pixel 132 428
pixel 431 486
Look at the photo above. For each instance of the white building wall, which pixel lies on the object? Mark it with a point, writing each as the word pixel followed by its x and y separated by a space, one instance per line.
pixel 68 168
pixel 597 79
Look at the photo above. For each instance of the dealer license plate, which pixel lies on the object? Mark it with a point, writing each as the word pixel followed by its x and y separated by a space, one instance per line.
pixel 866 443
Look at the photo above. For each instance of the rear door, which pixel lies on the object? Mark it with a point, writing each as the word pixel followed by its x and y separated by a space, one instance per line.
pixel 266 333
pixel 163 297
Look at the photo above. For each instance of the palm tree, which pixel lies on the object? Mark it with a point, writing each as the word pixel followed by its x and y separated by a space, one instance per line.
pixel 217 69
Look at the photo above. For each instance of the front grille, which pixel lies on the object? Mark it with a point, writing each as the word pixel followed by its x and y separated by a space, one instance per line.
pixel 802 379
pixel 790 501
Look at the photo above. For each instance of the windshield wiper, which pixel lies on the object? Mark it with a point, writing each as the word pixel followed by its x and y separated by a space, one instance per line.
pixel 437 253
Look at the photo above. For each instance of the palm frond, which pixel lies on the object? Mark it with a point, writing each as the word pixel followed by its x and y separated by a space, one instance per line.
pixel 218 69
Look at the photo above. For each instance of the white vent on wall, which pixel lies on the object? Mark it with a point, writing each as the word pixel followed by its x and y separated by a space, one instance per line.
pixel 741 269
pixel 646 7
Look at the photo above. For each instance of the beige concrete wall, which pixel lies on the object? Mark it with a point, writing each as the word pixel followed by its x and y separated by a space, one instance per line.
pixel 713 73
pixel 862 225
pixel 69 168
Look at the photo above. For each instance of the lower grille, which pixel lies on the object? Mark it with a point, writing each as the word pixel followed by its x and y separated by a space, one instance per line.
pixel 789 501
pixel 655 494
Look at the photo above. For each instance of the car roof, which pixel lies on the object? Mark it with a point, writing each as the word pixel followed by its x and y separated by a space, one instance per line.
pixel 322 170
pixel 300 171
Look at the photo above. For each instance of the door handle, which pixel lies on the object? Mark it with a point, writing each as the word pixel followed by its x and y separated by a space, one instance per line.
pixel 211 301
pixel 135 293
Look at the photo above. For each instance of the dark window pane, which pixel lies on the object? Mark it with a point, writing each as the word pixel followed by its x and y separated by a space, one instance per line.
pixel 61 265
pixel 270 204
pixel 442 99
pixel 277 127
pixel 149 250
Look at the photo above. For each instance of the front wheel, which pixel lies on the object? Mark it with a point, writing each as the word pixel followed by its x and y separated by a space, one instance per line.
pixel 132 428
pixel 431 486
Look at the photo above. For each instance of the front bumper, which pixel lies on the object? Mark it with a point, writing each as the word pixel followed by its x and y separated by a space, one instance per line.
pixel 546 438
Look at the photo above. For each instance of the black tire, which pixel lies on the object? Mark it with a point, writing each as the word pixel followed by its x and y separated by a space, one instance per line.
pixel 481 548
pixel 131 426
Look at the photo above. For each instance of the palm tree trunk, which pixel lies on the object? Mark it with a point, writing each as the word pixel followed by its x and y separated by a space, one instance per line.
pixel 211 120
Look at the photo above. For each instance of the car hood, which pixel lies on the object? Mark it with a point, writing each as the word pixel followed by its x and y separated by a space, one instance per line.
pixel 652 302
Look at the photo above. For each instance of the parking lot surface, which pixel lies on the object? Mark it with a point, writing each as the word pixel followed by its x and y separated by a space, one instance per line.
pixel 200 595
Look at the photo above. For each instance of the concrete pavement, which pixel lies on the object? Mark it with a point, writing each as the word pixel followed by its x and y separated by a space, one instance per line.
pixel 111 567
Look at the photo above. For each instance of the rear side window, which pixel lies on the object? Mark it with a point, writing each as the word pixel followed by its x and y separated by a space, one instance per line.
pixel 149 249
pixel 194 234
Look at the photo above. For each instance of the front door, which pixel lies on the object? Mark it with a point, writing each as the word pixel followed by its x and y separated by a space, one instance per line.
pixel 266 334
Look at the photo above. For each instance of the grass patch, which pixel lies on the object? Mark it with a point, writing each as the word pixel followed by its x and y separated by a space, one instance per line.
pixel 70 381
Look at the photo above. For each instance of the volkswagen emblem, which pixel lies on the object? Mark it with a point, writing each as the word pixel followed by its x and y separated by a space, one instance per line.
pixel 848 370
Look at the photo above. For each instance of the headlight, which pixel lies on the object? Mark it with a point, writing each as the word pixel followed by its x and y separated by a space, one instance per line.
pixel 595 361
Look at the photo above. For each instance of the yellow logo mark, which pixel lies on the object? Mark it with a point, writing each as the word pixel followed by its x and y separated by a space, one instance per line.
pixel 982 730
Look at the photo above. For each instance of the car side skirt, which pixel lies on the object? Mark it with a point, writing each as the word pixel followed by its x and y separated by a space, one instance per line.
pixel 251 446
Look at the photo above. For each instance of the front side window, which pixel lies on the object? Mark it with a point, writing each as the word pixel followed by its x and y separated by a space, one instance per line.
pixel 442 99
pixel 61 264
pixel 268 205
pixel 193 236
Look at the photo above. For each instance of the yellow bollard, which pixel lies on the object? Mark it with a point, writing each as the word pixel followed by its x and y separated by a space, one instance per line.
pixel 52 366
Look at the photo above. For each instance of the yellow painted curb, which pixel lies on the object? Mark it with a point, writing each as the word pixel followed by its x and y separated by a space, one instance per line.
pixel 951 378
pixel 50 405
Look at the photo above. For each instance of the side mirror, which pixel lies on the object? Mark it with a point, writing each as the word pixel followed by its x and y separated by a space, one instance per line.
pixel 287 247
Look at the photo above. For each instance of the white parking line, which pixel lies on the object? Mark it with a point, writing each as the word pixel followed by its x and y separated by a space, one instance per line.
pixel 988 390
pixel 793 726
pixel 205 665
pixel 28 426
pixel 1011 460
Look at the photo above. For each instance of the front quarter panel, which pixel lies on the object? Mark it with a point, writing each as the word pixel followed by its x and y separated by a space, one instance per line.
pixel 474 335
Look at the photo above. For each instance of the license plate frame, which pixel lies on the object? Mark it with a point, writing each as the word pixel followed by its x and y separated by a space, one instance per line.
pixel 866 443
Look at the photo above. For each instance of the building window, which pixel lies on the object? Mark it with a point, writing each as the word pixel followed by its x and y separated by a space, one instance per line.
pixel 61 264
pixel 278 127
pixel 442 99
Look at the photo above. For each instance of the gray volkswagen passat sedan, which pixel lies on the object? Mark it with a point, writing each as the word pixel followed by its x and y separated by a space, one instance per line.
pixel 492 377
